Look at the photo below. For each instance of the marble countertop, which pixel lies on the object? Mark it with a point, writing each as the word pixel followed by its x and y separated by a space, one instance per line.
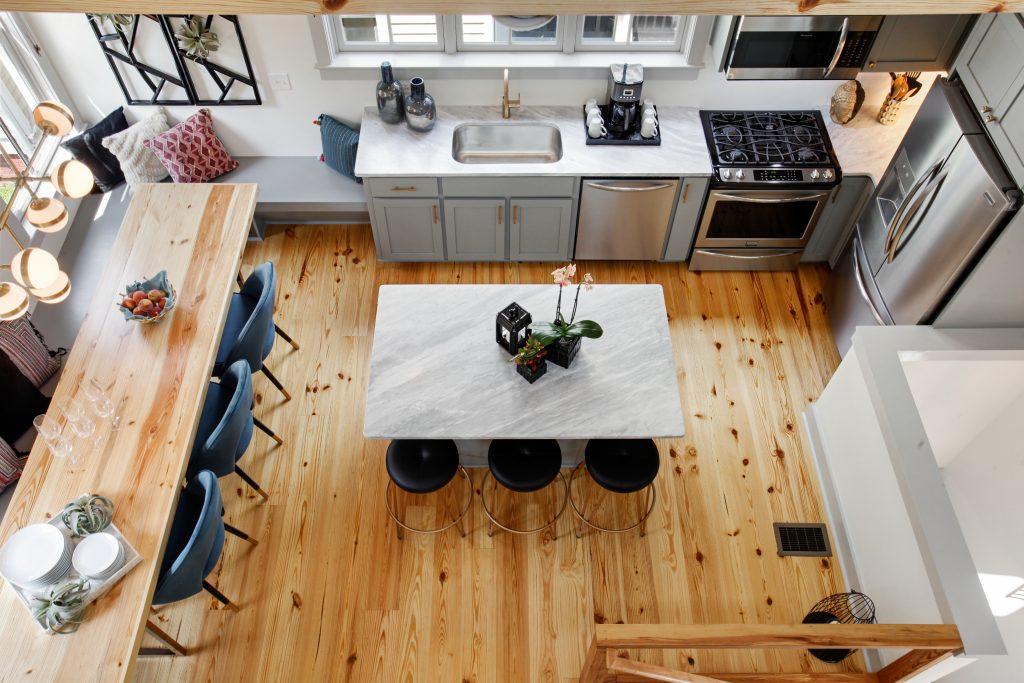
pixel 437 372
pixel 863 146
pixel 396 150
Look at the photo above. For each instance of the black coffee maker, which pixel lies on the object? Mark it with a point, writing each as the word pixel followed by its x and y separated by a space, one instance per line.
pixel 625 83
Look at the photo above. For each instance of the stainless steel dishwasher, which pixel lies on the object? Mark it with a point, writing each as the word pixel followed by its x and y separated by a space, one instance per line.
pixel 624 219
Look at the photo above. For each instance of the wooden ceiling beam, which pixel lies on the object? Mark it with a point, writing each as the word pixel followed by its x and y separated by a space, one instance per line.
pixel 767 7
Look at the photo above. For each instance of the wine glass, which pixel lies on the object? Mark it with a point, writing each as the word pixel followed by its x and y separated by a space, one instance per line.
pixel 46 426
pixel 77 418
pixel 49 431
pixel 101 404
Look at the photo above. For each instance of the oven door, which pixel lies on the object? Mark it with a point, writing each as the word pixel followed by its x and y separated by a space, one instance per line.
pixel 787 47
pixel 760 218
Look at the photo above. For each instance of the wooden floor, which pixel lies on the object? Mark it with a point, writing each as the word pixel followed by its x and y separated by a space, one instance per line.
pixel 331 594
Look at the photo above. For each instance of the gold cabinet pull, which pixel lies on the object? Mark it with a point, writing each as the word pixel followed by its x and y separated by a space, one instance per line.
pixel 515 214
pixel 435 214
pixel 404 188
pixel 501 216
pixel 686 191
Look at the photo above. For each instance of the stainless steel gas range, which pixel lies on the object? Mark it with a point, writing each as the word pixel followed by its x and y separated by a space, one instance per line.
pixel 773 172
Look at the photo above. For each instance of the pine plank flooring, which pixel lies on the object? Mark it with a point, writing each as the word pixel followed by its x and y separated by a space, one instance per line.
pixel 331 594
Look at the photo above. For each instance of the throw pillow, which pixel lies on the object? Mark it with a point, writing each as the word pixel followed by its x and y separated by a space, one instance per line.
pixel 191 152
pixel 11 464
pixel 139 164
pixel 340 144
pixel 88 149
pixel 18 340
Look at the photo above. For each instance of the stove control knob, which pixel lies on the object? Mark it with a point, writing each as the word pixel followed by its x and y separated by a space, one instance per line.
pixel 814 174
pixel 739 174
pixel 726 174
pixel 827 174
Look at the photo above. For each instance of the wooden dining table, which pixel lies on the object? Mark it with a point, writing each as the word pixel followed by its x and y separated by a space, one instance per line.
pixel 157 375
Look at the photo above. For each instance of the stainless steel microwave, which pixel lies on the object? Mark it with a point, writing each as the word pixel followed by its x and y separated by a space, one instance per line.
pixel 811 48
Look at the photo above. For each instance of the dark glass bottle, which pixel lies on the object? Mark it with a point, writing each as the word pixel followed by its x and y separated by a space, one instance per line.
pixel 420 110
pixel 390 102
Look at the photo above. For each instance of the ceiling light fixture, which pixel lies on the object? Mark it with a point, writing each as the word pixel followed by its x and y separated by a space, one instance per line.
pixel 36 271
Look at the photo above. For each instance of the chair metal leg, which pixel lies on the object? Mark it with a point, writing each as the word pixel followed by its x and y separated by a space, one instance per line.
pixel 284 335
pixel 251 482
pixel 275 382
pixel 175 646
pixel 234 531
pixel 267 430
pixel 220 596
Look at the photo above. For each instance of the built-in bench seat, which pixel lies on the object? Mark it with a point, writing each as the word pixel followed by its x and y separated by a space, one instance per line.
pixel 299 190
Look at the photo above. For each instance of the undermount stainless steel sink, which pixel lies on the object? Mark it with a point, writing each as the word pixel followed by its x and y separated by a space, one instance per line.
pixel 506 143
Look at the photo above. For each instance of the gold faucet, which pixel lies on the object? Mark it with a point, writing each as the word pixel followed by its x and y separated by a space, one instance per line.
pixel 507 105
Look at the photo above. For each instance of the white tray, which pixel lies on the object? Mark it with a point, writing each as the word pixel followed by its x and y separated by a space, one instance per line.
pixel 97 588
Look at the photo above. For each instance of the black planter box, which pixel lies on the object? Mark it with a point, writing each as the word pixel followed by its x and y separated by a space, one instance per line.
pixel 562 352
pixel 529 375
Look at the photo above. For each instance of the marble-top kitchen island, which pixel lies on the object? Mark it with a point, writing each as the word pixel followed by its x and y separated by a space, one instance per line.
pixel 436 371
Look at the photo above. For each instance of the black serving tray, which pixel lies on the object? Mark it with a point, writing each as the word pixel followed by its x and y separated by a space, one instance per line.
pixel 633 138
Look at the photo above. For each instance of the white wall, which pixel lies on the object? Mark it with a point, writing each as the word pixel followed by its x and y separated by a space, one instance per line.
pixel 985 482
pixel 281 126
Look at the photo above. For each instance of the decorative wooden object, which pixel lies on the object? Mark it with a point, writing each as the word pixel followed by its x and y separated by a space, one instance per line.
pixel 193 77
pixel 928 643
pixel 158 376
pixel 723 7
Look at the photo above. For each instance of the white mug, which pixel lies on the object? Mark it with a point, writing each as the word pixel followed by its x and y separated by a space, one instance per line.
pixel 590 104
pixel 648 103
pixel 649 127
pixel 596 129
pixel 594 115
pixel 650 111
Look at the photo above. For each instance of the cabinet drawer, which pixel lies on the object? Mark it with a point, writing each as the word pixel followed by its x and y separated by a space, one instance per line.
pixel 552 186
pixel 402 187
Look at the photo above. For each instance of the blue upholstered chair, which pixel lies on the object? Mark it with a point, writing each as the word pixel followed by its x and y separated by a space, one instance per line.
pixel 225 426
pixel 195 543
pixel 249 329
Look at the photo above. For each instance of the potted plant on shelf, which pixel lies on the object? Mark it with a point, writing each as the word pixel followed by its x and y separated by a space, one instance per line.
pixel 562 338
pixel 530 361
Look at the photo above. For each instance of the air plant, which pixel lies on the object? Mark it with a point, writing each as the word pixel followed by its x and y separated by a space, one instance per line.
pixel 560 329
pixel 62 609
pixel 118 21
pixel 196 39
pixel 88 514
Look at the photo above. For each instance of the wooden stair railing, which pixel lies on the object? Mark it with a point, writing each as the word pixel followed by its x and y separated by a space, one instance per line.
pixel 929 644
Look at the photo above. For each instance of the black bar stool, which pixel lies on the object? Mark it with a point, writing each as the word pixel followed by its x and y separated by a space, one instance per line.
pixel 523 466
pixel 620 466
pixel 423 466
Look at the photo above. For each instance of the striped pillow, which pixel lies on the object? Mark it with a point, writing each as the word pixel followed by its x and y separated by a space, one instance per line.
pixel 19 342
pixel 11 464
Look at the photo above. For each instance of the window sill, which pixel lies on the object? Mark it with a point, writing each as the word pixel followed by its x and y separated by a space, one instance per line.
pixel 541 64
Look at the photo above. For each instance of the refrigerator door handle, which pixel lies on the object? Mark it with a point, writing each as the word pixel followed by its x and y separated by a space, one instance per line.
pixel 897 239
pixel 897 217
pixel 859 277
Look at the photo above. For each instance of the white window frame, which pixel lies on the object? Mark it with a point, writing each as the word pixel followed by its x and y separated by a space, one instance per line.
pixel 462 46
pixel 582 45
pixel 337 34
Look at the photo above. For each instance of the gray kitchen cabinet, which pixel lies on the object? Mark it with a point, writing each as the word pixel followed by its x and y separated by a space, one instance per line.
pixel 686 219
pixel 991 66
pixel 475 229
pixel 917 42
pixel 408 229
pixel 837 218
pixel 540 229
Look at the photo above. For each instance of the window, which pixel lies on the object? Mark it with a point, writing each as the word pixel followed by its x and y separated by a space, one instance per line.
pixel 382 32
pixel 628 32
pixel 483 32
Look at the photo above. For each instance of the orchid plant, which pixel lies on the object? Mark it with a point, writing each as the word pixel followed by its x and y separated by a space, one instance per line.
pixel 561 329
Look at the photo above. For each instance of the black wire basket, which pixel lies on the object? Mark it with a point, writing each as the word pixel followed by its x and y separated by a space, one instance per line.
pixel 841 608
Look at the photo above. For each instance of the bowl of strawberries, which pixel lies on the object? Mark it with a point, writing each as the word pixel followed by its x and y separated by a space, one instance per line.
pixel 148 301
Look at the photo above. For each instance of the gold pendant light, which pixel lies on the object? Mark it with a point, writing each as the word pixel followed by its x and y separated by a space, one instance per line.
pixel 34 268
pixel 13 301
pixel 72 178
pixel 47 214
pixel 56 292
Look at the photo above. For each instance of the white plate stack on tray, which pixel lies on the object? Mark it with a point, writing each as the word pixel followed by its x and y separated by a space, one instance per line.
pixel 36 557
pixel 40 557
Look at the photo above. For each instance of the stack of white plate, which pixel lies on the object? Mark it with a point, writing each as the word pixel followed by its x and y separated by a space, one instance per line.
pixel 98 556
pixel 36 557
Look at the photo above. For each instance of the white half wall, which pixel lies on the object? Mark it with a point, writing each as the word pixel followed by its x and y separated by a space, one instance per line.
pixel 282 125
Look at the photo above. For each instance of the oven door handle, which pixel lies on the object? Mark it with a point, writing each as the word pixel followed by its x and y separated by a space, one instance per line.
pixel 766 200
pixel 747 257
pixel 629 188
pixel 844 32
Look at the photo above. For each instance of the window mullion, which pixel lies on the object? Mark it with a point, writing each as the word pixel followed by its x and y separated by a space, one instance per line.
pixel 450 33
pixel 567 26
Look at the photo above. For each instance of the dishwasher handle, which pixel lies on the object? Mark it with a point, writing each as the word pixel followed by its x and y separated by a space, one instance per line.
pixel 629 188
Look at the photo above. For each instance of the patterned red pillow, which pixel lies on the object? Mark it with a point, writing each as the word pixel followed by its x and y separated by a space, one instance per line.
pixel 191 151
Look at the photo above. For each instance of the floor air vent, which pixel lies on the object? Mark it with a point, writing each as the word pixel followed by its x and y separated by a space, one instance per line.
pixel 806 540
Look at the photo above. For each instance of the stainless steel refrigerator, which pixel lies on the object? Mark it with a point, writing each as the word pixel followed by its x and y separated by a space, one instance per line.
pixel 939 205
